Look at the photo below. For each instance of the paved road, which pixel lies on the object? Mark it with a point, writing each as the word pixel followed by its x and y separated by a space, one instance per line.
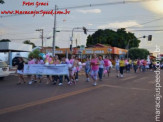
pixel 128 99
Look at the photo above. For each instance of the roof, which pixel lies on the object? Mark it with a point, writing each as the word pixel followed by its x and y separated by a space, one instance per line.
pixel 98 45
pixel 14 47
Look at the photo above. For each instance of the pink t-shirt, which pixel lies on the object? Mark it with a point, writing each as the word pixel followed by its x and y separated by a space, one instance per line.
pixel 56 62
pixel 31 62
pixel 41 62
pixel 71 61
pixel 106 62
pixel 94 64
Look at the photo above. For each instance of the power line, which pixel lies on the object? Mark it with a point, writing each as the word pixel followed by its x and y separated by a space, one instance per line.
pixel 149 30
pixel 154 20
pixel 69 29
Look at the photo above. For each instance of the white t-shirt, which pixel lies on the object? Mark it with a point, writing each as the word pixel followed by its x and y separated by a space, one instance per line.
pixel 101 64
pixel 117 62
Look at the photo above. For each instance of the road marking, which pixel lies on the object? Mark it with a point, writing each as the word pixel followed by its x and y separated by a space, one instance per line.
pixel 128 78
pixel 127 88
pixel 39 102
pixel 152 82
pixel 138 80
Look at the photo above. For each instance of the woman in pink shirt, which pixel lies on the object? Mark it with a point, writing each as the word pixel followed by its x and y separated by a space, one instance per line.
pixel 94 68
pixel 107 64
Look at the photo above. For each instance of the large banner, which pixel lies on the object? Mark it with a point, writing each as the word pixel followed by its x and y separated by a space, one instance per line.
pixel 42 69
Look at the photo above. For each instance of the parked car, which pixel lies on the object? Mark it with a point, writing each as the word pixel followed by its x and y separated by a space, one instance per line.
pixel 15 60
pixel 4 69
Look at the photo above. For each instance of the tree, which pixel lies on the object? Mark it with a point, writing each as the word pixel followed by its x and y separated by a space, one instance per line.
pixel 34 54
pixel 5 40
pixel 119 38
pixel 56 47
pixel 29 42
pixel 138 53
pixel 2 1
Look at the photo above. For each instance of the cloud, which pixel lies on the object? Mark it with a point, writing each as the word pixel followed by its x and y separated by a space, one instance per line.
pixel 94 11
pixel 120 25
pixel 90 24
pixel 154 6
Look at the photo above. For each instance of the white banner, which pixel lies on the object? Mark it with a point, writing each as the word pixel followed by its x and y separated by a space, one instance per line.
pixel 42 69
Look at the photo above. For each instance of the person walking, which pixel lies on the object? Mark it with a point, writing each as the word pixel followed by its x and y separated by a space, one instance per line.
pixel 63 61
pixel 74 70
pixel 135 65
pixel 55 77
pixel 101 68
pixel 41 62
pixel 87 68
pixel 20 69
pixel 122 65
pixel 107 65
pixel 117 66
pixel 94 68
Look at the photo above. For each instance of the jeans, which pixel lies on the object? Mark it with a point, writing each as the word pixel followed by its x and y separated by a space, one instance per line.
pixel 100 73
pixel 135 68
pixel 121 70
pixel 143 68
pixel 55 78
pixel 61 78
pixel 76 75
pixel 129 67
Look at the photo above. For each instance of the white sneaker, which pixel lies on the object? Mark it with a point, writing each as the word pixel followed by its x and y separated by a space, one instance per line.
pixel 69 83
pixel 94 84
pixel 30 82
pixel 121 76
pixel 60 84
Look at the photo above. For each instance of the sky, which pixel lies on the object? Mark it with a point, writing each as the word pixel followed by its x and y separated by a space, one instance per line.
pixel 137 16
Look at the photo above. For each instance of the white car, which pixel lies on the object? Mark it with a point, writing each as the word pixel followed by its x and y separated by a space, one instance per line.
pixel 4 69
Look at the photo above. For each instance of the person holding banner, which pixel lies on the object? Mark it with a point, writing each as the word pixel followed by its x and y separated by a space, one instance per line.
pixel 32 78
pixel 49 60
pixel 94 68
pixel 40 61
pixel 74 70
pixel 20 71
pixel 55 77
pixel 63 61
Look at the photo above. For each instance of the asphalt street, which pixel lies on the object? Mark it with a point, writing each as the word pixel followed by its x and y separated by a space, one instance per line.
pixel 127 99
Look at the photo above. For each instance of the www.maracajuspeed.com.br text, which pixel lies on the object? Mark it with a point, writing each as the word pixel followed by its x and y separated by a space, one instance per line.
pixel 34 12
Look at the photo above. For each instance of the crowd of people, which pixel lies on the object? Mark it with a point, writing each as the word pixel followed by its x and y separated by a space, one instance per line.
pixel 95 68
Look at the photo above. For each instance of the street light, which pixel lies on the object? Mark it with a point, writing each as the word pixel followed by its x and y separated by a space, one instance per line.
pixel 85 32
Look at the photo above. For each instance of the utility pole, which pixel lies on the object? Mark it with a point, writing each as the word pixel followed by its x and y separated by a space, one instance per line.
pixel 76 42
pixel 54 32
pixel 42 36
